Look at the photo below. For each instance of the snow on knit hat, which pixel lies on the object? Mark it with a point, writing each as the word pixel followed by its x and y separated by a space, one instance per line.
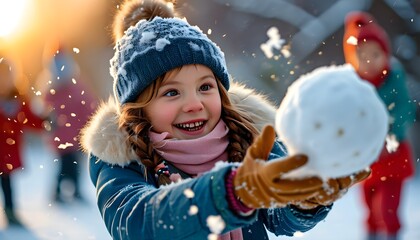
pixel 151 48
pixel 361 26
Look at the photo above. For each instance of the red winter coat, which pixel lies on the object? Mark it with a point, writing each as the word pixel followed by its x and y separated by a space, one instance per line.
pixel 15 118
pixel 394 165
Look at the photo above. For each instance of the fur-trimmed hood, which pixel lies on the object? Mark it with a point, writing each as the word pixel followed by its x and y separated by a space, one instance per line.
pixel 102 138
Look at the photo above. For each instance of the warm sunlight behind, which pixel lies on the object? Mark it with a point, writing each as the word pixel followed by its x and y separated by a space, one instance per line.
pixel 11 15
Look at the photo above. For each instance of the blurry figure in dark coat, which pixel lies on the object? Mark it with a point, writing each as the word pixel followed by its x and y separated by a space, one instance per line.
pixel 70 104
pixel 15 117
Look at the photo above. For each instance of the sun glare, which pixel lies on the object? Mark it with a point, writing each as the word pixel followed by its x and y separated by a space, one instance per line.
pixel 11 14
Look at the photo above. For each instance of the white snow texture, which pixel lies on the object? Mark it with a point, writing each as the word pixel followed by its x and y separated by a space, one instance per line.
pixel 336 119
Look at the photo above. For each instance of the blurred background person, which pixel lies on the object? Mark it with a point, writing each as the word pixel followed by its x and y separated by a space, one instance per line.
pixel 366 46
pixel 15 117
pixel 70 103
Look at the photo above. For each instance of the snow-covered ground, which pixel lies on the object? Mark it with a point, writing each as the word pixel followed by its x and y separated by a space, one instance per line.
pixel 46 220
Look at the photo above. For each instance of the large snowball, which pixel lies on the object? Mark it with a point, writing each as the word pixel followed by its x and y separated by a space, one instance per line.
pixel 336 119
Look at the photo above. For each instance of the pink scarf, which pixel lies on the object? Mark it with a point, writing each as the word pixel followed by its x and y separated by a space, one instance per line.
pixel 196 156
pixel 193 156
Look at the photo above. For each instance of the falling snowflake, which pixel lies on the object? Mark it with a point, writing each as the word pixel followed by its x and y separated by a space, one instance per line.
pixel 9 166
pixel 193 210
pixel 391 143
pixel 10 141
pixel 213 236
pixel 352 40
pixel 65 145
pixel 274 42
pixel 216 224
pixel 189 193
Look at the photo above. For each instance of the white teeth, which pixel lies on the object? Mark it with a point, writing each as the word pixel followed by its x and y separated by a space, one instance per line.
pixel 190 125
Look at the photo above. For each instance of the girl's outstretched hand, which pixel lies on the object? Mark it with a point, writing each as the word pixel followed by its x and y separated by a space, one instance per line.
pixel 333 189
pixel 258 183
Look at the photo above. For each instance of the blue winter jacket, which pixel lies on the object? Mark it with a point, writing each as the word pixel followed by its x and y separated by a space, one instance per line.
pixel 133 207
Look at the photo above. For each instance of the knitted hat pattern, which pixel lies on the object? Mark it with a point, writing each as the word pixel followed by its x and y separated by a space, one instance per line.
pixel 151 48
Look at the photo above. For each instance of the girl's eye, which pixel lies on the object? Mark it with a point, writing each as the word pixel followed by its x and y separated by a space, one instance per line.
pixel 171 93
pixel 205 87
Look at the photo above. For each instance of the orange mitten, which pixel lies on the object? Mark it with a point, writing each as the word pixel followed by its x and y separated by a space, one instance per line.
pixel 333 189
pixel 259 184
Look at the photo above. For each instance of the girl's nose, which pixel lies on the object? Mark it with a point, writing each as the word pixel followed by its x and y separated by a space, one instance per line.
pixel 193 103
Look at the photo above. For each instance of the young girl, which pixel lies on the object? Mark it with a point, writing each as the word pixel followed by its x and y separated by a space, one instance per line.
pixel 371 57
pixel 171 121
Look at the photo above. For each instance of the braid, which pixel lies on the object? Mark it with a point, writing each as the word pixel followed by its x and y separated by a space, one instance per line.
pixel 241 130
pixel 137 126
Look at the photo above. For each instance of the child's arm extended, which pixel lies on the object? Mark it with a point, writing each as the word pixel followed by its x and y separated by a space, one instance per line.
pixel 133 208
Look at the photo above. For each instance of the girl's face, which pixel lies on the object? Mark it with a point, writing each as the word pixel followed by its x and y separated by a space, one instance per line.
pixel 372 59
pixel 188 103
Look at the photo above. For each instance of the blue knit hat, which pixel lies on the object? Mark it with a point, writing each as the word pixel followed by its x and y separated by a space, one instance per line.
pixel 151 48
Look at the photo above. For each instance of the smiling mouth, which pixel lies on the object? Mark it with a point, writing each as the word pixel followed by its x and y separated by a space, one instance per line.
pixel 194 126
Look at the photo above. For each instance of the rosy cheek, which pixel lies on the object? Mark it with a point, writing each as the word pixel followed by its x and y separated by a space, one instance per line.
pixel 167 115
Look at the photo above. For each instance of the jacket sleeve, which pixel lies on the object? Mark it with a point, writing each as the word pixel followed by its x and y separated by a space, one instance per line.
pixel 133 208
pixel 288 220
